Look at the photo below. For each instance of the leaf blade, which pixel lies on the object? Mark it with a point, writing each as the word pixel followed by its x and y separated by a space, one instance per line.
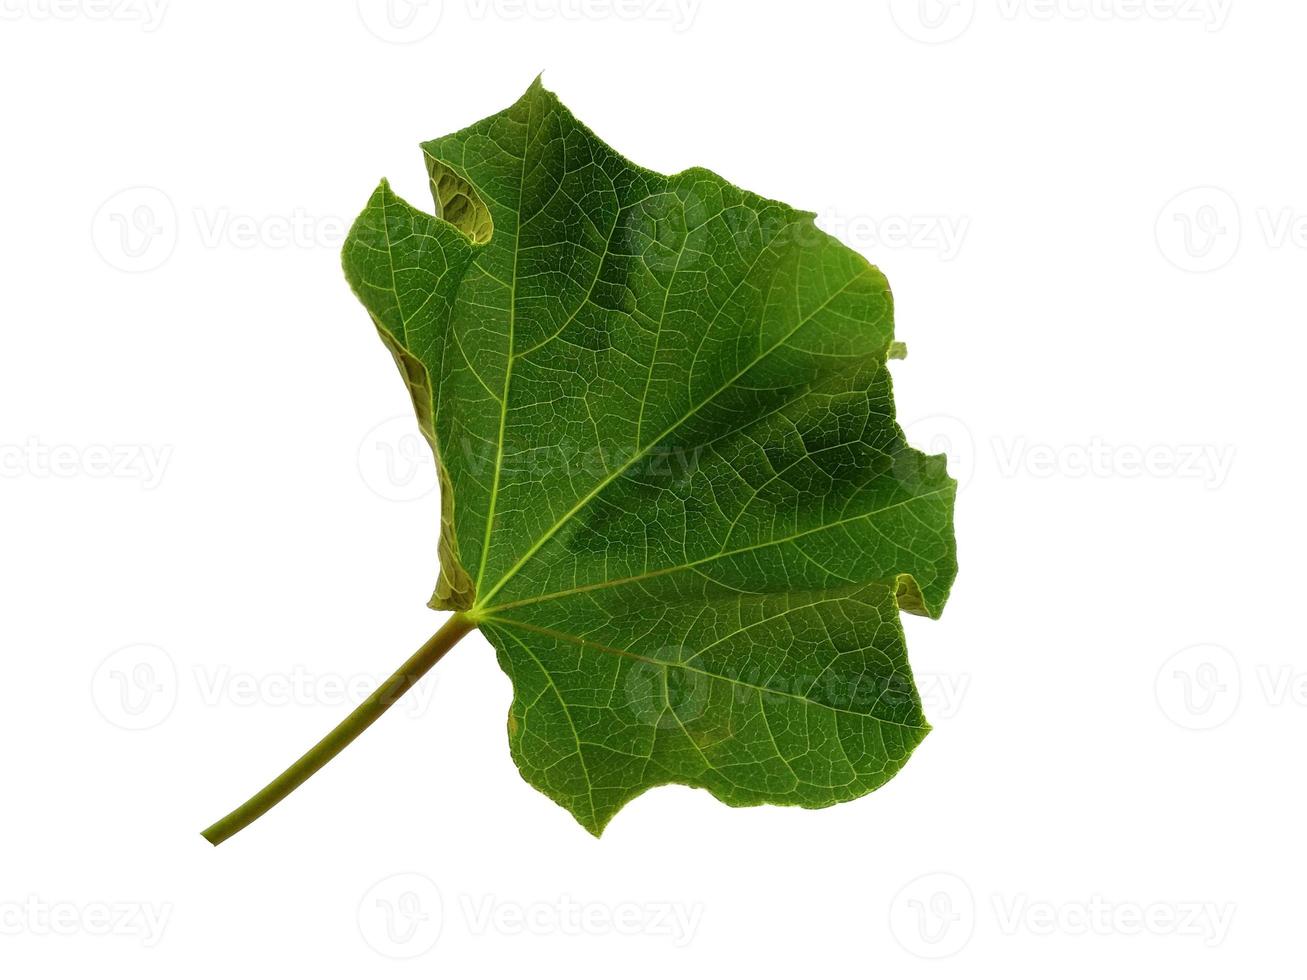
pixel 660 404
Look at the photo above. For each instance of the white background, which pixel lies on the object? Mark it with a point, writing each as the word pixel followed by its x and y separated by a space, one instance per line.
pixel 218 528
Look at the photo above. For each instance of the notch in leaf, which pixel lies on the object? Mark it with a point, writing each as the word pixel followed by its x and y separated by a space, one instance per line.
pixel 674 496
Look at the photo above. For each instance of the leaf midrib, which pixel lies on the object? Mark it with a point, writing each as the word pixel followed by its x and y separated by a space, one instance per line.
pixel 508 366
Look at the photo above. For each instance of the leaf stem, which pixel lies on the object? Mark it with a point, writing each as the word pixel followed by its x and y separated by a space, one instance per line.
pixel 395 686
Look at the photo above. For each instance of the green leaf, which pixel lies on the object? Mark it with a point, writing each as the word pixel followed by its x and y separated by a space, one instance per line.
pixel 674 495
